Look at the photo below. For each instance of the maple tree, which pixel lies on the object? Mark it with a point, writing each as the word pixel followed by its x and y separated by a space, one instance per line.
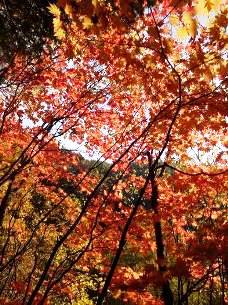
pixel 140 88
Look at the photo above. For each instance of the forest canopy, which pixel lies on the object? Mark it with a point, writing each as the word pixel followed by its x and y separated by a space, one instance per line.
pixel 113 152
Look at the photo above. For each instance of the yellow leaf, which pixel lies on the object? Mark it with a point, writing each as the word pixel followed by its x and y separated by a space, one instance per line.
pixel 174 20
pixel 60 34
pixel 190 23
pixel 94 3
pixel 54 10
pixel 187 18
pixel 87 22
pixel 217 4
pixel 201 7
pixel 57 24
pixel 182 33
pixel 209 5
pixel 68 10
pixel 58 30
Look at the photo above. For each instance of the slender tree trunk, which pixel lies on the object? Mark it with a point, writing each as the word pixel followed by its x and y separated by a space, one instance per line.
pixel 222 279
pixel 166 290
pixel 167 294
pixel 179 291
pixel 122 242
pixel 211 291
pixel 4 202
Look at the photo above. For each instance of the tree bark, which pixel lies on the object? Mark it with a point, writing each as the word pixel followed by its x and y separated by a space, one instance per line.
pixel 4 202
pixel 167 294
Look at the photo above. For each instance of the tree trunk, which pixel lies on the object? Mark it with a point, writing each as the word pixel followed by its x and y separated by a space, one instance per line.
pixel 166 290
pixel 4 202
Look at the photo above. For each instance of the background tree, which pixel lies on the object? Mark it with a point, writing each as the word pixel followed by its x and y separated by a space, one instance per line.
pixel 25 27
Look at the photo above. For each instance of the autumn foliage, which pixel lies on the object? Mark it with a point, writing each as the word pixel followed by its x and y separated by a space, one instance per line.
pixel 113 158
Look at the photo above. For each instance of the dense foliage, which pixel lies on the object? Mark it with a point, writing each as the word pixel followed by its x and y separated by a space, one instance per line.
pixel 25 26
pixel 113 155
